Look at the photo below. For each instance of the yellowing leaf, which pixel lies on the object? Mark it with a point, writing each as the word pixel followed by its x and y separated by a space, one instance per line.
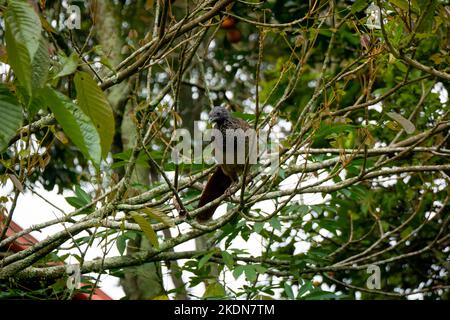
pixel 158 215
pixel 75 123
pixel 214 290
pixel 61 137
pixel 146 228
pixel 93 102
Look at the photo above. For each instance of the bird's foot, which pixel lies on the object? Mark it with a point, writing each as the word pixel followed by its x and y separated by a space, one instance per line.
pixel 229 191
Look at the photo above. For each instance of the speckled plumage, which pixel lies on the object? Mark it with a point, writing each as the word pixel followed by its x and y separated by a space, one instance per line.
pixel 224 121
pixel 228 172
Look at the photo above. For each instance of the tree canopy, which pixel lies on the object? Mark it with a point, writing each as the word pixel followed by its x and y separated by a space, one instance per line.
pixel 353 94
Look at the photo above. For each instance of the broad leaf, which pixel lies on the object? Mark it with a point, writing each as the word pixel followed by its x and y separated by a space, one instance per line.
pixel 238 271
pixel 75 202
pixel 121 244
pixel 11 116
pixel 228 259
pixel 94 104
pixel 146 228
pixel 359 5
pixel 23 34
pixel 76 125
pixel 405 123
pixel 83 195
pixel 204 259
pixel 288 291
pixel 40 65
pixel 69 66
pixel 158 215
pixel 214 290
pixel 250 273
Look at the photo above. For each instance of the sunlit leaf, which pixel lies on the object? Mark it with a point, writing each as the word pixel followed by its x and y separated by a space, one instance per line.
pixel 158 215
pixel 23 39
pixel 214 290
pixel 94 104
pixel 69 66
pixel 76 125
pixel 146 228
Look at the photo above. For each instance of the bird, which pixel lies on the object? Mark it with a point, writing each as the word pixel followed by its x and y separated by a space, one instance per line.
pixel 231 165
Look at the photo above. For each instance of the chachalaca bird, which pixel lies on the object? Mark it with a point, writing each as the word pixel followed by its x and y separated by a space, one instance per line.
pixel 231 166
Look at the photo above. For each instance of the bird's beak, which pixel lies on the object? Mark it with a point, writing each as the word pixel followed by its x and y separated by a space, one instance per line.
pixel 211 118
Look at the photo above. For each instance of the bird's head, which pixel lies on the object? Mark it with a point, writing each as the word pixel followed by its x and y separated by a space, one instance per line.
pixel 219 114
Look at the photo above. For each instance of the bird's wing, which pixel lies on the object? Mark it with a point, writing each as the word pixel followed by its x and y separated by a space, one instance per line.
pixel 217 184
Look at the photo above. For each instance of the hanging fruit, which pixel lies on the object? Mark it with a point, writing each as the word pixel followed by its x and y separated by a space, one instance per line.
pixel 234 35
pixel 228 23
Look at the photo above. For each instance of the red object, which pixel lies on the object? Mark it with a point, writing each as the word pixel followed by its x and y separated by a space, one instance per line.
pixel 228 23
pixel 26 241
pixel 234 35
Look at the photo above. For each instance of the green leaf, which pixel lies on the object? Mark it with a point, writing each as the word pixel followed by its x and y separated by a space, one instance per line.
pixel 228 259
pixel 428 8
pixel 288 291
pixel 259 268
pixel 146 228
pixel 403 4
pixel 307 286
pixel 214 290
pixel 75 202
pixel 70 65
pixel 204 259
pixel 238 271
pixel 94 104
pixel 121 244
pixel 40 65
pixel 321 295
pixel 359 5
pixel 258 227
pixel 250 273
pixel 406 232
pixel 11 116
pixel 275 223
pixel 22 35
pixel 76 125
pixel 82 195
pixel 35 104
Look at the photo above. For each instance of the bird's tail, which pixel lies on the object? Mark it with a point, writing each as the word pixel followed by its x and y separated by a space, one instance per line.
pixel 216 186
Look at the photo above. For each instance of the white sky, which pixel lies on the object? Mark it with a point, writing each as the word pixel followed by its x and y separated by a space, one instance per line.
pixel 32 210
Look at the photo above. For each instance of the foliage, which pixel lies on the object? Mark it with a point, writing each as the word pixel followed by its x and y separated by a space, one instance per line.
pixel 364 142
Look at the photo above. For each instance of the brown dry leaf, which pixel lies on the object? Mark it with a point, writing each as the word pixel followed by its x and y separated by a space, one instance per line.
pixel 17 184
pixel 148 5
pixel 61 137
